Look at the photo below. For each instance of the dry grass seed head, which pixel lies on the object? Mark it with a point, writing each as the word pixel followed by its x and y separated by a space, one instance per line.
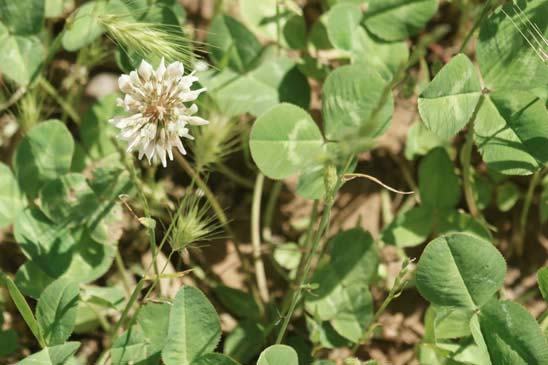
pixel 213 144
pixel 148 39
pixel 194 223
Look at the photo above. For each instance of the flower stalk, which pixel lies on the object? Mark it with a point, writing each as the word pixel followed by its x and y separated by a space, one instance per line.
pixel 256 239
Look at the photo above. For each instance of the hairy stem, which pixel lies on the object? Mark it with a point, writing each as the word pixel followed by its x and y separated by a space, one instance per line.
pixel 305 251
pixel 332 183
pixel 324 222
pixel 399 285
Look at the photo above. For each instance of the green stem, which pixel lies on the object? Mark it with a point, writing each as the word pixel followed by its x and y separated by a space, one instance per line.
pixel 128 306
pixel 484 12
pixel 103 358
pixel 50 89
pixel 520 243
pixel 139 185
pixel 100 317
pixel 543 321
pixel 237 178
pixel 466 158
pixel 466 161
pixel 386 207
pixel 332 184
pixel 256 238
pixel 142 281
pixel 123 273
pixel 399 285
pixel 278 28
pixel 14 98
pixel 208 193
pixel 269 210
pixel 324 222
pixel 305 251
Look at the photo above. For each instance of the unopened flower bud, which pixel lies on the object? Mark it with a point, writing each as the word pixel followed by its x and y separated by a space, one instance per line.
pixel 124 83
pixel 145 70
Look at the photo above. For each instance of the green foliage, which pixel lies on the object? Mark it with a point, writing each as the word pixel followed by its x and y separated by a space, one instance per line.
pixel 420 140
pixel 350 97
pixel 278 80
pixel 215 359
pixel 385 57
pixel 84 27
pixel 130 347
pixel 55 8
pixel 543 211
pixel 22 17
pixel 278 354
pixel 43 155
pixel 23 308
pixel 194 329
pixel 507 196
pixel 342 21
pixel 461 272
pixel 511 334
pixel 238 302
pixel 284 141
pixel 21 56
pixel 393 20
pixel 11 200
pixel 232 44
pixel 506 60
pixel 52 355
pixel 263 19
pixel 449 101
pixel 439 185
pixel 68 234
pixel 97 136
pixel 295 92
pixel 9 342
pixel 409 228
pixel 58 251
pixel 245 341
pixel 56 311
pixel 509 125
pixel 31 279
pixel 343 296
pixel 542 277
pixel 440 193
pixel 510 132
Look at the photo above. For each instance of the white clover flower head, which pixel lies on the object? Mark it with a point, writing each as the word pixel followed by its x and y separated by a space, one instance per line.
pixel 160 103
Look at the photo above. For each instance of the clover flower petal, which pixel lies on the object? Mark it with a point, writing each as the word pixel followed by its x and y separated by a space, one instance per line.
pixel 159 104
